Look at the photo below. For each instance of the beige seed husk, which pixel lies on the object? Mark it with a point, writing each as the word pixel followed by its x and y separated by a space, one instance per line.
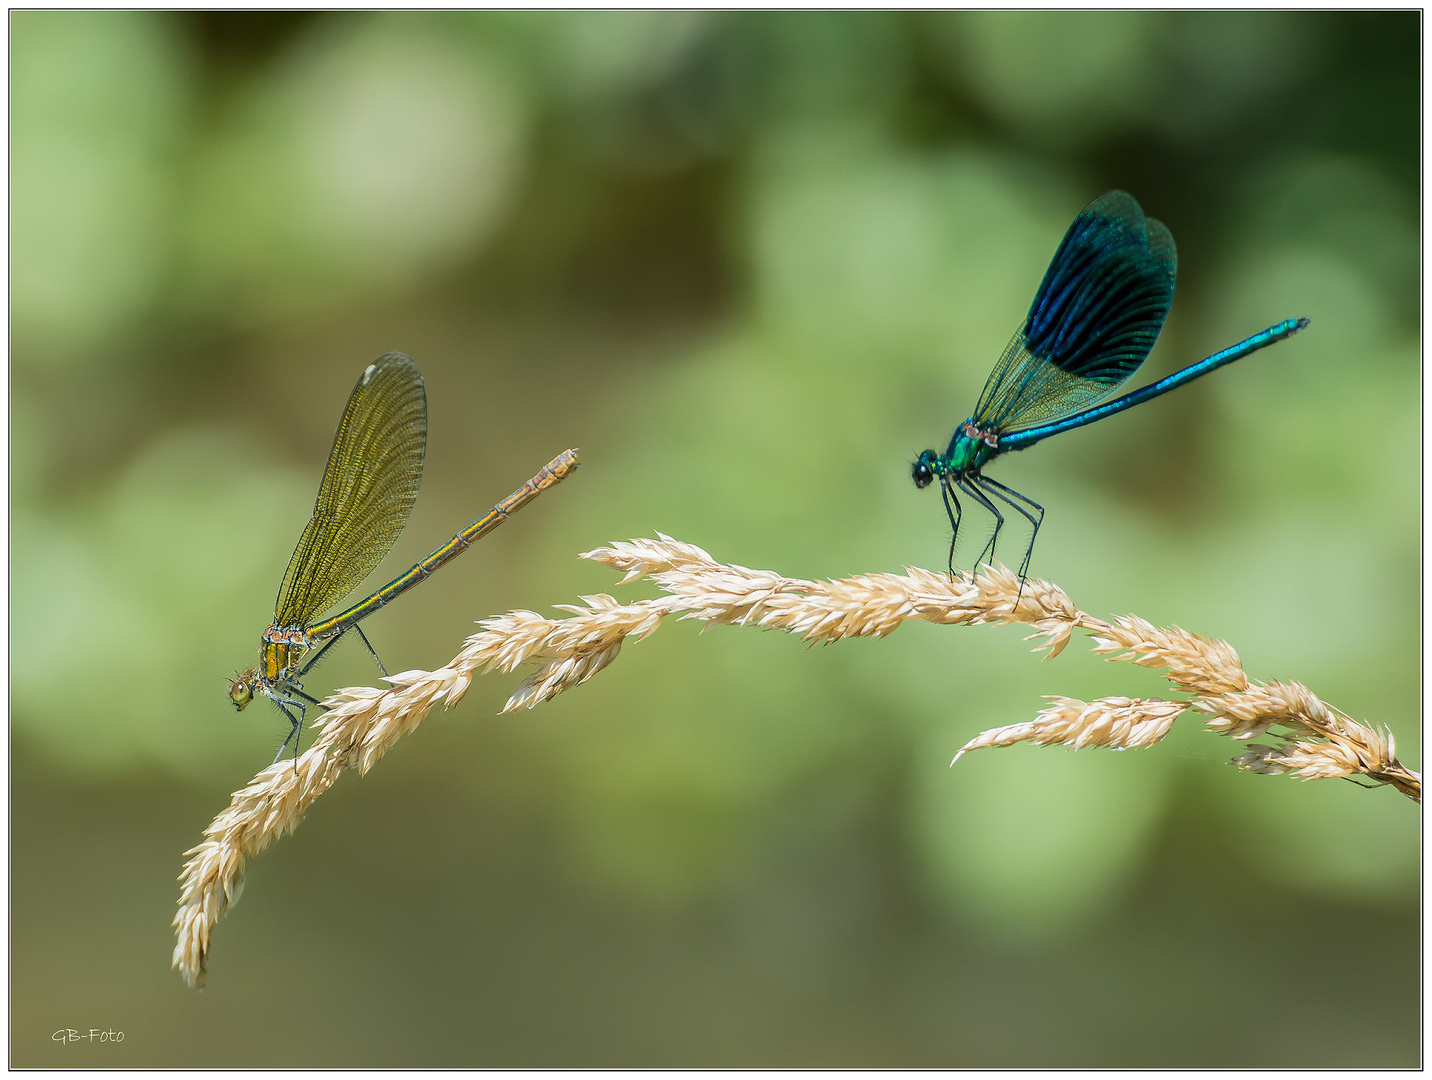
pixel 363 723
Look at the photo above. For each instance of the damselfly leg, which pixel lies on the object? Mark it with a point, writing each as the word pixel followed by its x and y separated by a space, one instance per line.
pixel 1021 503
pixel 969 485
pixel 954 515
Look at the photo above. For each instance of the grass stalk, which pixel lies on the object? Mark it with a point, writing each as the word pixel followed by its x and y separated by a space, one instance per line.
pixel 1313 740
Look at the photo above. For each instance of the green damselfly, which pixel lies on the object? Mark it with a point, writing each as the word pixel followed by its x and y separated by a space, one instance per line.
pixel 368 489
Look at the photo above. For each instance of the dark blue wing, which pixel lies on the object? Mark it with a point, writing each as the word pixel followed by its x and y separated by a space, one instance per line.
pixel 1103 299
pixel 1095 317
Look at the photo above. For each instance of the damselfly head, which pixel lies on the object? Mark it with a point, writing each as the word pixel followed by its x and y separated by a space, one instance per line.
pixel 924 469
pixel 241 688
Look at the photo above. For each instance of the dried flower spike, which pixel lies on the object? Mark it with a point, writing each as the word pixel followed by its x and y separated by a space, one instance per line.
pixel 363 723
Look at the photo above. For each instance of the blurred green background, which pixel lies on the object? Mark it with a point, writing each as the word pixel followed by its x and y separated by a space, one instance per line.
pixel 750 263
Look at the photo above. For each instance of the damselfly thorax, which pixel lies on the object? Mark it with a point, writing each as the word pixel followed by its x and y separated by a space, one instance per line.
pixel 281 653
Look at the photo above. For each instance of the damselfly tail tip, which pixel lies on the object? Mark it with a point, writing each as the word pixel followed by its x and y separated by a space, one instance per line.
pixel 1302 324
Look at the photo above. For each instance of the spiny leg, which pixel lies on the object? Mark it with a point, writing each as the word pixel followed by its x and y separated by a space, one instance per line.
pixel 1009 491
pixel 967 485
pixel 334 641
pixel 318 656
pixel 1015 499
pixel 371 651
pixel 308 699
pixel 954 515
pixel 295 732
pixel 298 736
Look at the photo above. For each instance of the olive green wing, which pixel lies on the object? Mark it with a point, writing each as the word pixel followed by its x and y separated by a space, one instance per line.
pixel 368 489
